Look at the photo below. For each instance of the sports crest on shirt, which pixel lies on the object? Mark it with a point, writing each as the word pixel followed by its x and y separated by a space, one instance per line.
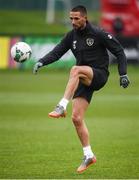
pixel 89 41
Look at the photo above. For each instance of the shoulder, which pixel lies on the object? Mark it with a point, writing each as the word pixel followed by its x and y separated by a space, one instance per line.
pixel 102 34
pixel 98 30
pixel 94 29
pixel 69 34
pixel 67 38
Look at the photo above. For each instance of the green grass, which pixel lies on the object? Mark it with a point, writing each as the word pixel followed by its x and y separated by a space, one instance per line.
pixel 33 146
pixel 33 22
pixel 27 22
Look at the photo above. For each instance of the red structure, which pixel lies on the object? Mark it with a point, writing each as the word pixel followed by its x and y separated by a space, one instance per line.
pixel 120 17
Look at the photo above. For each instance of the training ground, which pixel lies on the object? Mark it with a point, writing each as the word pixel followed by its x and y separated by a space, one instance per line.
pixel 34 146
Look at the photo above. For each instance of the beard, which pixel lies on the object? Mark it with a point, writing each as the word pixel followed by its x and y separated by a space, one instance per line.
pixel 78 28
pixel 75 26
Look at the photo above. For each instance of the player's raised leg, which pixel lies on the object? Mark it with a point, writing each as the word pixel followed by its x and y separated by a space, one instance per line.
pixel 79 107
pixel 77 73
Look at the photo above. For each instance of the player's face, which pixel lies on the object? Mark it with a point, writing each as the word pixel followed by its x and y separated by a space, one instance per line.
pixel 78 20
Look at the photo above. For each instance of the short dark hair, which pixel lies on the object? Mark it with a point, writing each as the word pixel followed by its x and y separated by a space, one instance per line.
pixel 80 8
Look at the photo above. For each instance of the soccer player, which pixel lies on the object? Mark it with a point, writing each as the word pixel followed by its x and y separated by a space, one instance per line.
pixel 89 45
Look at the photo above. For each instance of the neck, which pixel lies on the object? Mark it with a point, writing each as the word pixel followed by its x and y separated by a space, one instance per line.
pixel 83 26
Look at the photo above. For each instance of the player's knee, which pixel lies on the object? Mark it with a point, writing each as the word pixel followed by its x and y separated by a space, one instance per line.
pixel 74 71
pixel 76 119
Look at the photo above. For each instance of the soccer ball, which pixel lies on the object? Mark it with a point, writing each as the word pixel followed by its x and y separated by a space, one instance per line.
pixel 21 52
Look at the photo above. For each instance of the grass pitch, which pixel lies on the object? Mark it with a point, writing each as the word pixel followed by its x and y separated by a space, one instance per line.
pixel 34 146
pixel 34 22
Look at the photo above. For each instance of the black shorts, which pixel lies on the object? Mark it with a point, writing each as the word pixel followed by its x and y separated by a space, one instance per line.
pixel 99 80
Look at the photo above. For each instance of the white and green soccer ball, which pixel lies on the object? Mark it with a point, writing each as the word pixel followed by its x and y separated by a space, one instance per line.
pixel 21 52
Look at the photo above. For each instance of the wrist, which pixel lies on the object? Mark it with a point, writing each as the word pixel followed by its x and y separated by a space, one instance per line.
pixel 123 75
pixel 40 64
pixel 40 61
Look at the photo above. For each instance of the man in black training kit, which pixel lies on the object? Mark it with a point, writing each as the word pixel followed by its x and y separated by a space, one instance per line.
pixel 89 45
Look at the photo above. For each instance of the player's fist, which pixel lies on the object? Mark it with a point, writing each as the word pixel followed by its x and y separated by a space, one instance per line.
pixel 124 81
pixel 36 67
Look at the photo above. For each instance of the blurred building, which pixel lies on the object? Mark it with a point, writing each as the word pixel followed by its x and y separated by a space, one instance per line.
pixel 121 18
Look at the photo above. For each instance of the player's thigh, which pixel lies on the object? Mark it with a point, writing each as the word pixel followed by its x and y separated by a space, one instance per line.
pixel 79 107
pixel 85 74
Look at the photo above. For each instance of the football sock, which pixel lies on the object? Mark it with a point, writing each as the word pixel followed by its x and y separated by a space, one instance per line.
pixel 64 102
pixel 88 152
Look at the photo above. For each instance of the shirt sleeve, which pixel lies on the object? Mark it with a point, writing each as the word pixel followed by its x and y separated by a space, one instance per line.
pixel 58 51
pixel 113 45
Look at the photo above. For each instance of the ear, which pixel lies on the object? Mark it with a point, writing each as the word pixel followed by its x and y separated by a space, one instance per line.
pixel 85 18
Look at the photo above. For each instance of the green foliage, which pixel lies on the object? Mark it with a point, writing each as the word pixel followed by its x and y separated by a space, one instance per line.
pixel 34 146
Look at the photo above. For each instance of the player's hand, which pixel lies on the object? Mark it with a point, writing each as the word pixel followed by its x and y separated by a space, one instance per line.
pixel 124 81
pixel 36 67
